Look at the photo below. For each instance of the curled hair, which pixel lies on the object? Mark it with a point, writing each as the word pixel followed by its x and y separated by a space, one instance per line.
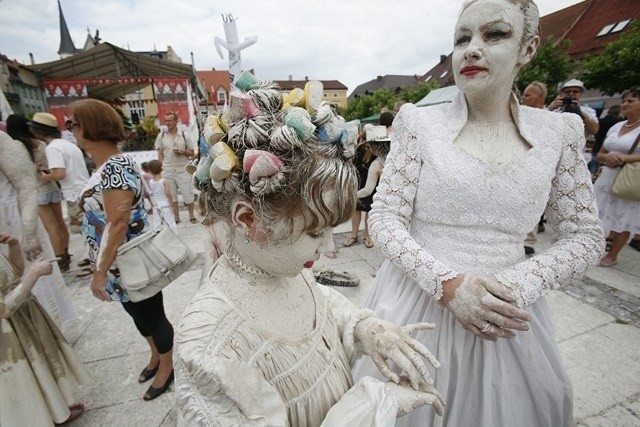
pixel 530 13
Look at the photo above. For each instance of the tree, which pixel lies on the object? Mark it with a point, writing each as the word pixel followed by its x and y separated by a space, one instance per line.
pixel 368 105
pixel 617 68
pixel 551 65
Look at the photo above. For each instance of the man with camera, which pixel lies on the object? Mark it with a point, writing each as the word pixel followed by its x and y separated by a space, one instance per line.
pixel 568 102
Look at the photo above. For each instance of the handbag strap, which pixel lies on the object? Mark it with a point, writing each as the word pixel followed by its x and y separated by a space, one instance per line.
pixel 635 144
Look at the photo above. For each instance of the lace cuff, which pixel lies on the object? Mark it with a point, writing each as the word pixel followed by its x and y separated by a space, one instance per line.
pixel 572 212
pixel 393 206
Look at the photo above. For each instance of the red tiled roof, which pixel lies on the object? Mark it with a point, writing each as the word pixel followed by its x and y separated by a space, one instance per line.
pixel 214 80
pixel 292 84
pixel 556 25
pixel 599 14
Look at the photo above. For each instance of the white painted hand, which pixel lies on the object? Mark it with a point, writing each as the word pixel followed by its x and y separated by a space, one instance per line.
pixel 409 399
pixel 383 340
pixel 485 307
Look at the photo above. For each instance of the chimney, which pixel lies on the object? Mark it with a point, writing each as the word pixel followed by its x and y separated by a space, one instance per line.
pixel 290 77
pixel 443 58
pixel 31 58
pixel 306 78
pixel 379 78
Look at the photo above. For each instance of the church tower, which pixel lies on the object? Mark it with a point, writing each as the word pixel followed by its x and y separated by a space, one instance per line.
pixel 67 48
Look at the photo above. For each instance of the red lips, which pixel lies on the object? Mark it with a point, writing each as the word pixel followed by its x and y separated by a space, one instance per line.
pixel 472 70
pixel 308 264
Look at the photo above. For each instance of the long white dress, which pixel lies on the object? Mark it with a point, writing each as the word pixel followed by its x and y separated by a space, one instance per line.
pixel 232 371
pixel 617 214
pixel 18 193
pixel 440 212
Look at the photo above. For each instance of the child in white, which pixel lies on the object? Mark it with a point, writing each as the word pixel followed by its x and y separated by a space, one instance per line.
pixel 161 197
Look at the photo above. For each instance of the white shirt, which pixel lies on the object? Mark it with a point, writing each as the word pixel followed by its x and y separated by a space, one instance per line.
pixel 167 143
pixel 66 155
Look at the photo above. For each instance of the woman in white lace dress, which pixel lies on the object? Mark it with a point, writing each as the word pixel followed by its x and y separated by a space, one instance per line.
pixel 261 343
pixel 463 184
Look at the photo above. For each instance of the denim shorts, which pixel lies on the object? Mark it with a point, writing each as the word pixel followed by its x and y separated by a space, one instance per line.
pixel 54 196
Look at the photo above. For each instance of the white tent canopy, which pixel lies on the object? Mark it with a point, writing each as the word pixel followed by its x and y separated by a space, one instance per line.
pixel 439 96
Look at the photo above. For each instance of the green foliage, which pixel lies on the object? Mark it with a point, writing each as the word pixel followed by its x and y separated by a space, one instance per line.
pixel 368 105
pixel 551 65
pixel 618 67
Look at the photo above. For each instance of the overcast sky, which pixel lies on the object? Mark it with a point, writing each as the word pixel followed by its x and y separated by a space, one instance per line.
pixel 352 42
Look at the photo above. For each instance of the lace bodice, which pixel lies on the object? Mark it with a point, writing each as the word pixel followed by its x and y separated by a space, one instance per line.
pixel 440 211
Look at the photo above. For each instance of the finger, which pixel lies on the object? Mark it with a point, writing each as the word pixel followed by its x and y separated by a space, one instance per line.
pixel 407 367
pixel 498 332
pixel 423 350
pixel 506 322
pixel 417 362
pixel 409 329
pixel 431 389
pixel 505 308
pixel 438 406
pixel 476 331
pixel 498 289
pixel 384 368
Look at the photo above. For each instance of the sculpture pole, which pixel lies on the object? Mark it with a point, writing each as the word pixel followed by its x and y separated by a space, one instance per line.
pixel 233 46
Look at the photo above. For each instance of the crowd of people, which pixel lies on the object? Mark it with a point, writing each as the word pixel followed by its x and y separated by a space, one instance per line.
pixel 456 328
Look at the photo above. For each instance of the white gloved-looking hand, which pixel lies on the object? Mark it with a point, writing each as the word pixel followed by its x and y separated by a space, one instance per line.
pixel 31 247
pixel 383 340
pixel 485 307
pixel 409 399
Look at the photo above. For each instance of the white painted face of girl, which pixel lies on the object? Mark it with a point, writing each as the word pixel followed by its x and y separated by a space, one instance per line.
pixel 487 51
pixel 286 258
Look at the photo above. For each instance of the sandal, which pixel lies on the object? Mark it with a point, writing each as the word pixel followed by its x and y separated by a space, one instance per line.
pixel 84 272
pixel 635 244
pixel 604 263
pixel 153 392
pixel 147 374
pixel 350 241
pixel 367 242
pixel 332 254
pixel 83 262
pixel 193 220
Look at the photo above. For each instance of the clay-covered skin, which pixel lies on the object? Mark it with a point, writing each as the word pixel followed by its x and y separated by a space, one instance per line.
pixel 14 161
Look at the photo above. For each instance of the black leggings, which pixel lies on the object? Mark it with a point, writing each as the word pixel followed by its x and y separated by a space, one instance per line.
pixel 149 317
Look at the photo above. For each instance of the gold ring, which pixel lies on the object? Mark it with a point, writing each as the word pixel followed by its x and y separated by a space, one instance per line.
pixel 486 328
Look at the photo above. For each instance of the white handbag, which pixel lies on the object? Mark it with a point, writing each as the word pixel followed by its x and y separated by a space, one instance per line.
pixel 149 262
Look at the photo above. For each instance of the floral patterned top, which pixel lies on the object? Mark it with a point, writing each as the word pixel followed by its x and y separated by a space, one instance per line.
pixel 120 172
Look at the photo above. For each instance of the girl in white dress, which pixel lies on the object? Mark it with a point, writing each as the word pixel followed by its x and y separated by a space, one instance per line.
pixel 619 217
pixel 463 184
pixel 261 343
pixel 161 197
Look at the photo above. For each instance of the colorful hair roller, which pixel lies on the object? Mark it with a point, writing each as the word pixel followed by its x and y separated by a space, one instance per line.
pixel 295 98
pixel 284 138
pixel 260 164
pixel 201 174
pixel 224 161
pixel 240 106
pixel 300 120
pixel 313 92
pixel 247 81
pixel 213 131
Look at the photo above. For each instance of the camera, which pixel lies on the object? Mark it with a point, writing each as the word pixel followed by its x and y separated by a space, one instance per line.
pixel 567 101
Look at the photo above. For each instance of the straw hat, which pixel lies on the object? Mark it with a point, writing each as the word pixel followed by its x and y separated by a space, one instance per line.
pixel 573 83
pixel 44 121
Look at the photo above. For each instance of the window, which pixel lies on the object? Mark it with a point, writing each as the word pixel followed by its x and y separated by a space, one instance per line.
pixel 222 96
pixel 444 74
pixel 613 28
pixel 138 108
pixel 335 95
pixel 620 26
pixel 428 78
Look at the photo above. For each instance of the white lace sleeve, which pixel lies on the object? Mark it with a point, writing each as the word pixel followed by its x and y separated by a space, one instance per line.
pixel 573 214
pixel 391 212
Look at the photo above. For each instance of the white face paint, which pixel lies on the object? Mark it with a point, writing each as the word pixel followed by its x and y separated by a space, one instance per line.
pixel 287 257
pixel 487 51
